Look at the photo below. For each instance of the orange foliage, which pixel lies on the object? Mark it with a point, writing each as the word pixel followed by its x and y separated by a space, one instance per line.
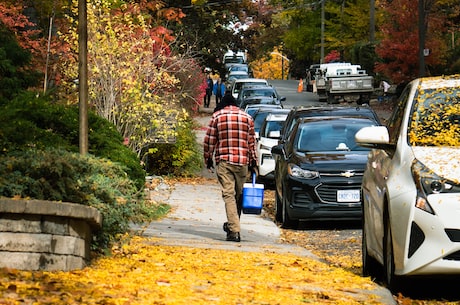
pixel 399 46
pixel 26 32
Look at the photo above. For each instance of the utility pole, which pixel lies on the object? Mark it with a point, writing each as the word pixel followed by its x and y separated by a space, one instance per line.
pixel 83 76
pixel 322 31
pixel 283 58
pixel 421 37
pixel 372 22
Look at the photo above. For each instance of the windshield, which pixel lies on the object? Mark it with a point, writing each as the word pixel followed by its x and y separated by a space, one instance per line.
pixel 329 136
pixel 259 119
pixel 271 126
pixel 435 119
pixel 259 92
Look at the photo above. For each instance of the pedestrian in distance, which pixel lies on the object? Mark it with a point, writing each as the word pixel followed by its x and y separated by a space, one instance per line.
pixel 385 86
pixel 227 99
pixel 209 87
pixel 219 90
pixel 230 139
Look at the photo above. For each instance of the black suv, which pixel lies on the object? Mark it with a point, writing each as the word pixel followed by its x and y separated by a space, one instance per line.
pixel 303 112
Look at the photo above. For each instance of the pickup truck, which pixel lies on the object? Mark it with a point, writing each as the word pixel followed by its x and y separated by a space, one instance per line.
pixel 345 81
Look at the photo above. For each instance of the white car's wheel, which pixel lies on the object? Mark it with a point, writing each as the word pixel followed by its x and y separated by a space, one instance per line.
pixel 391 280
pixel 370 265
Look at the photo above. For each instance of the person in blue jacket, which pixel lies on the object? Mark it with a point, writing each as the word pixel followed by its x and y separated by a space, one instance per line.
pixel 219 90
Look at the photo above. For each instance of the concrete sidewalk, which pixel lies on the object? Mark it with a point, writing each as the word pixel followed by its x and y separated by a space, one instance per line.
pixel 198 214
pixel 197 217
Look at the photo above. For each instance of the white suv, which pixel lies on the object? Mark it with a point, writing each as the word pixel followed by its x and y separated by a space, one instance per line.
pixel 240 83
pixel 411 186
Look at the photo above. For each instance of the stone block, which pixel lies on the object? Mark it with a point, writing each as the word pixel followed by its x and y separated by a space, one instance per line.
pixel 52 262
pixel 55 225
pixel 80 228
pixel 68 245
pixel 24 242
pixel 20 223
pixel 20 260
pixel 44 235
pixel 40 261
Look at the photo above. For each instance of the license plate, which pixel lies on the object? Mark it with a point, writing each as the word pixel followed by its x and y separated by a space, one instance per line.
pixel 348 195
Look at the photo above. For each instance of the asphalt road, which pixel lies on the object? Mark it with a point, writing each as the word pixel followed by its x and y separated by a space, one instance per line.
pixel 288 89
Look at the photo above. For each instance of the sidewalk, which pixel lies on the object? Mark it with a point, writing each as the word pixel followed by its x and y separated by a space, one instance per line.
pixel 198 214
pixel 197 217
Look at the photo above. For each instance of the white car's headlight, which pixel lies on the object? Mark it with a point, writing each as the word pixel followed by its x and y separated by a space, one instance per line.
pixel 427 183
pixel 295 171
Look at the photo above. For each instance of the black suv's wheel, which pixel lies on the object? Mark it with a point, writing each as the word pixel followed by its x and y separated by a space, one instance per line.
pixel 278 208
pixel 286 222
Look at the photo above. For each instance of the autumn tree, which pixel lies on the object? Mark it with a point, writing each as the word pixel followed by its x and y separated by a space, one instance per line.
pixel 301 37
pixel 399 47
pixel 20 51
pixel 132 72
pixel 273 66
pixel 346 27
pixel 211 27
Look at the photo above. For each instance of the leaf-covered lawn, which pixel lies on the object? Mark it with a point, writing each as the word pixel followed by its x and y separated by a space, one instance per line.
pixel 143 272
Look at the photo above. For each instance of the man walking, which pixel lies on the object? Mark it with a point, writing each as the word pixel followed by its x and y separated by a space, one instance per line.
pixel 230 137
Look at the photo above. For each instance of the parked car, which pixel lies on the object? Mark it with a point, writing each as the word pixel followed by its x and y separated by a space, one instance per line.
pixel 318 170
pixel 314 111
pixel 260 115
pixel 234 75
pixel 240 83
pixel 259 95
pixel 239 67
pixel 268 137
pixel 411 185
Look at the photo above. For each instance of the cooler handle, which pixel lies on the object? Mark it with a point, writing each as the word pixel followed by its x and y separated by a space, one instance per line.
pixel 253 179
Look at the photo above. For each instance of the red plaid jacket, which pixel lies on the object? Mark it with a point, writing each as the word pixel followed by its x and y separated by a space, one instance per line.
pixel 230 136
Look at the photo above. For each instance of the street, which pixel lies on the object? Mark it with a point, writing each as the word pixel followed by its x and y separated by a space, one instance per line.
pixel 288 88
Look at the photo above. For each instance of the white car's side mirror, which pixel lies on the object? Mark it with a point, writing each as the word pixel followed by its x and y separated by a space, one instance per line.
pixel 372 136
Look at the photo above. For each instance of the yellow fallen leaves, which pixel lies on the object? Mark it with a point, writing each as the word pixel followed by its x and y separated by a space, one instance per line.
pixel 147 273
pixel 343 250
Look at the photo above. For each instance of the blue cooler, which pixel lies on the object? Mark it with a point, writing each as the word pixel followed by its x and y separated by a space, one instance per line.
pixel 253 197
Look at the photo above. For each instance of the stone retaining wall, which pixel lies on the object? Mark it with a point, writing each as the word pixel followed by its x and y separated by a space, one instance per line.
pixel 45 235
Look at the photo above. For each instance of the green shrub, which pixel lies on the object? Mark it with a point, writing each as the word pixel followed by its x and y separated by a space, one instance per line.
pixel 58 175
pixel 182 158
pixel 28 121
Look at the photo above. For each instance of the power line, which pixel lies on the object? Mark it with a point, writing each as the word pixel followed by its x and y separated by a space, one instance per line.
pixel 220 3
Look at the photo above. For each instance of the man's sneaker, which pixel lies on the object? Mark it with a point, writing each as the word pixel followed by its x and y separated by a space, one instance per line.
pixel 233 236
pixel 226 229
